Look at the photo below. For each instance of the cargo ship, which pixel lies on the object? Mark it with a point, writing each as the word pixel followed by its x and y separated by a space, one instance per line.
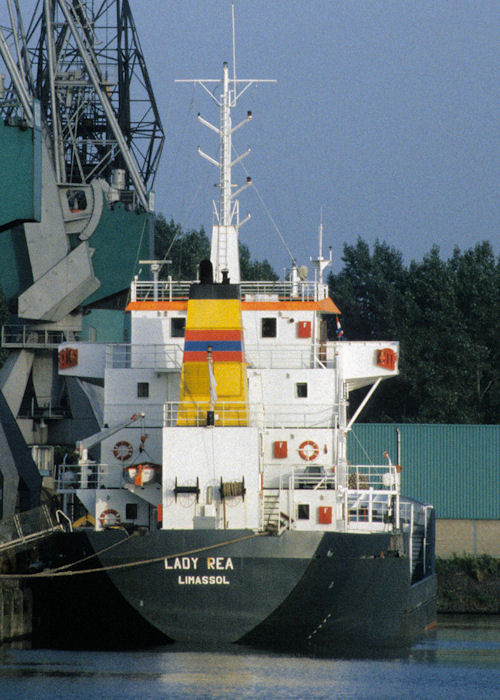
pixel 223 508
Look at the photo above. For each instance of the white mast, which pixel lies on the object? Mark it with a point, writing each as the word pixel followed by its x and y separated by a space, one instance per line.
pixel 320 262
pixel 224 253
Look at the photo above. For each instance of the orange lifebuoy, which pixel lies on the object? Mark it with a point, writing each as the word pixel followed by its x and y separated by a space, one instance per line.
pixel 123 450
pixel 109 517
pixel 399 468
pixel 308 450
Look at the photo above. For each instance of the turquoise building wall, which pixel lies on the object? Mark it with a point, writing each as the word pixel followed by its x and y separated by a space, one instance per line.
pixel 20 201
pixel 454 467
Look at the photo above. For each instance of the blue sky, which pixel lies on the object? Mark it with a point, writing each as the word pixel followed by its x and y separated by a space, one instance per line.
pixel 385 115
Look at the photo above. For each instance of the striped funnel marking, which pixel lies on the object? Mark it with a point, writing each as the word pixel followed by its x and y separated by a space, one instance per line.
pixel 226 345
pixel 213 321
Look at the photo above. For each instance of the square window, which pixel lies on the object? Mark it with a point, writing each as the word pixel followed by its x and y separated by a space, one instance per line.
pixel 301 390
pixel 303 511
pixel 130 511
pixel 268 328
pixel 143 390
pixel 177 327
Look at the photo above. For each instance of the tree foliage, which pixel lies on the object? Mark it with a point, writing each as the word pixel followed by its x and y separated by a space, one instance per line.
pixel 187 248
pixel 254 269
pixel 184 248
pixel 445 315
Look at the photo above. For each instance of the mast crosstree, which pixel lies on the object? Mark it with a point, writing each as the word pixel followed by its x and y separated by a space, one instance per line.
pixel 224 248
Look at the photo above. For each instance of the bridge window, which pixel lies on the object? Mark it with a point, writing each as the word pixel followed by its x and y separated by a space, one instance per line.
pixel 268 328
pixel 177 327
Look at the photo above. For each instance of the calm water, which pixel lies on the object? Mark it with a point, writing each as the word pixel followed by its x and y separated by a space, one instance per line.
pixel 463 661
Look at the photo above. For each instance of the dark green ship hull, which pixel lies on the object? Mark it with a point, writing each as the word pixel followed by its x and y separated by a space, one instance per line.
pixel 331 592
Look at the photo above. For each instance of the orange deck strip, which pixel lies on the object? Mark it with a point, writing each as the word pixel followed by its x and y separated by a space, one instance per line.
pixel 326 305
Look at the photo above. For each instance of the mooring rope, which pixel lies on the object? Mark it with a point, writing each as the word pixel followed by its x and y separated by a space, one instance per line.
pixel 56 573
pixel 95 554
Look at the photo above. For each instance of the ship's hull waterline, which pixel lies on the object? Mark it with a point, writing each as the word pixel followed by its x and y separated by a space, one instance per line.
pixel 337 592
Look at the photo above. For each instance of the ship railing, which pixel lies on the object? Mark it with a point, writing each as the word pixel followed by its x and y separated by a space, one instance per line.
pixel 119 412
pixel 26 336
pixel 228 413
pixel 197 414
pixel 372 495
pixel 363 508
pixel 290 356
pixel 283 291
pixel 287 416
pixel 71 477
pixel 419 520
pixel 373 476
pixel 163 290
pixel 311 477
pixel 169 356
pixel 144 356
pixel 255 291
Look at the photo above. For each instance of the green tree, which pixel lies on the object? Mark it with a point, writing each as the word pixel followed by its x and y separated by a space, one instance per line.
pixel 369 290
pixel 184 248
pixel 444 313
pixel 477 279
pixel 434 344
pixel 187 248
pixel 254 269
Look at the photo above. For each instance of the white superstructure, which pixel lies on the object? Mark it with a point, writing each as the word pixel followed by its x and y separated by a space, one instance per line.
pixel 243 396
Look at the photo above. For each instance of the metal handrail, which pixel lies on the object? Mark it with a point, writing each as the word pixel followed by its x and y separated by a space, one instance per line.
pixel 227 413
pixel 174 290
pixel 24 335
pixel 145 356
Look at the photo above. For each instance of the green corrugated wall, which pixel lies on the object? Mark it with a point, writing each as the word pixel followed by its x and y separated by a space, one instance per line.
pixel 109 325
pixel 454 467
pixel 20 174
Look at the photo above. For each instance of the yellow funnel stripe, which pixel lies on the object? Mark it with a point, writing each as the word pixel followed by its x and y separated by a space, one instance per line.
pixel 230 376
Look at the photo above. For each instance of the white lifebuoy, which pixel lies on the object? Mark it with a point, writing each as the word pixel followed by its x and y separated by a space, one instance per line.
pixel 308 450
pixel 123 450
pixel 109 517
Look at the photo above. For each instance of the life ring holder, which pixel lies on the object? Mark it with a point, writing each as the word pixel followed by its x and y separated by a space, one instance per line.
pixel 123 450
pixel 308 450
pixel 104 515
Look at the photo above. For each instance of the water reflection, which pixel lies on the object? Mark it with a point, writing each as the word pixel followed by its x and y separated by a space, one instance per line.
pixel 462 657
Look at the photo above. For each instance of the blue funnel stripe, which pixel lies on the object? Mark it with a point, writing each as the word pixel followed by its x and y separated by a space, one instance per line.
pixel 216 345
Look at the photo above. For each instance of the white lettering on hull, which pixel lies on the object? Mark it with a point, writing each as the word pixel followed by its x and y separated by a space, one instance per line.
pixel 197 564
pixel 184 563
pixel 203 581
pixel 191 563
